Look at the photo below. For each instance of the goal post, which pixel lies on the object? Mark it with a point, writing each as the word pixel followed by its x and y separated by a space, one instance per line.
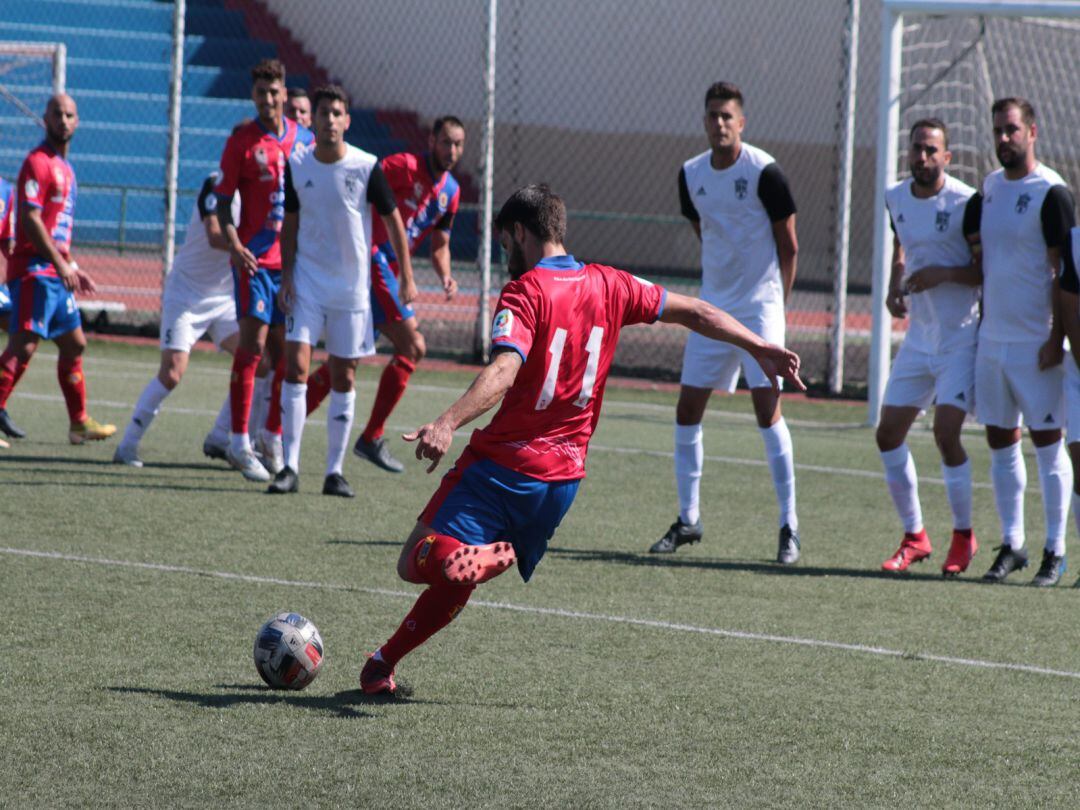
pixel 928 67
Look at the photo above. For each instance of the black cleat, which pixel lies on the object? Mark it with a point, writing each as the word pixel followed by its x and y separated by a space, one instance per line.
pixel 335 484
pixel 9 427
pixel 787 551
pixel 678 534
pixel 378 453
pixel 284 482
pixel 1009 559
pixel 1051 570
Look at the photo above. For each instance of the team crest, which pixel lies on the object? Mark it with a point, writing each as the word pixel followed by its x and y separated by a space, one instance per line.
pixel 741 187
pixel 264 164
pixel 260 306
pixel 443 200
pixel 504 322
pixel 941 222
pixel 352 182
pixel 1022 203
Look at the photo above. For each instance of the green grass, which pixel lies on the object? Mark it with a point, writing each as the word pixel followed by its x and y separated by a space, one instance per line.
pixel 129 685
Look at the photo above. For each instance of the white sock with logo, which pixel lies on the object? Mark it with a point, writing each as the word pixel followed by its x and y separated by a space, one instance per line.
pixel 339 422
pixel 903 485
pixel 1055 478
pixel 146 408
pixel 689 461
pixel 293 416
pixel 958 490
pixel 781 458
pixel 1009 475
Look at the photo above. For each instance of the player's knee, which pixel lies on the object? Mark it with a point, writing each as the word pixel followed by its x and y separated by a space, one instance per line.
pixel 416 349
pixel 889 437
pixel 170 377
pixel 947 438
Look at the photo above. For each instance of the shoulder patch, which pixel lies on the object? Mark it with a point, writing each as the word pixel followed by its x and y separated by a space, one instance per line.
pixel 504 322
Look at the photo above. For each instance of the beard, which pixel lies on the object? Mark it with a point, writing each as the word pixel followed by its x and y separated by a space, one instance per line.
pixel 515 263
pixel 1009 158
pixel 927 177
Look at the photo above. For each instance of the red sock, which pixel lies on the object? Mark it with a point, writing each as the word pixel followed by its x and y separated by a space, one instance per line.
pixel 73 384
pixel 241 387
pixel 392 385
pixel 436 608
pixel 9 375
pixel 273 412
pixel 318 386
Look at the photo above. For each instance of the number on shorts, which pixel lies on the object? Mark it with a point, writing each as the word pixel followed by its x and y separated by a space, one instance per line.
pixel 588 380
pixel 168 337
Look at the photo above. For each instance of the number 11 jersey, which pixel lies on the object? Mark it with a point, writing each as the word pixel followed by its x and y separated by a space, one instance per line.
pixel 564 318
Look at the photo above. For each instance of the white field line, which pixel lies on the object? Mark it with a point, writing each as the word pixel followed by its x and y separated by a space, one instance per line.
pixel 562 613
pixel 593 446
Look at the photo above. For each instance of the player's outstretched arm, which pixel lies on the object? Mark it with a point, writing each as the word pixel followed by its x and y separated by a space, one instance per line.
pixel 705 319
pixel 489 387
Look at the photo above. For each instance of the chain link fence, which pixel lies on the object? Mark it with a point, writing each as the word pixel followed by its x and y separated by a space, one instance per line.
pixel 603 100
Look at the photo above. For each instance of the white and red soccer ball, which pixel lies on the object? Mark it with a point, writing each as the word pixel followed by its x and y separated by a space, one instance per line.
pixel 288 651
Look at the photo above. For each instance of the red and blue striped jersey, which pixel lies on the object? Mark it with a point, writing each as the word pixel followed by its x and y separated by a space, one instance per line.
pixel 564 318
pixel 253 164
pixel 47 182
pixel 7 216
pixel 425 203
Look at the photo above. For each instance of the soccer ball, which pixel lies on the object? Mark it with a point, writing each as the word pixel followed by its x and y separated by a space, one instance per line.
pixel 288 651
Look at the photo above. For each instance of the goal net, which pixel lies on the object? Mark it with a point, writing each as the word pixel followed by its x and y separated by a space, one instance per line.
pixel 952 64
pixel 30 72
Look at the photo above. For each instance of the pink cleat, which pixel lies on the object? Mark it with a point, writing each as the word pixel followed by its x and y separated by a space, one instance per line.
pixel 471 565
pixel 913 548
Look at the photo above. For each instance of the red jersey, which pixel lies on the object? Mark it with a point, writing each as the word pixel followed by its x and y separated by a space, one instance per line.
pixel 47 182
pixel 564 319
pixel 424 202
pixel 7 216
pixel 253 163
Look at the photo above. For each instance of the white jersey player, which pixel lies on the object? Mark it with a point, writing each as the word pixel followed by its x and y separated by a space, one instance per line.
pixel 935 282
pixel 197 300
pixel 326 275
pixel 738 202
pixel 1027 212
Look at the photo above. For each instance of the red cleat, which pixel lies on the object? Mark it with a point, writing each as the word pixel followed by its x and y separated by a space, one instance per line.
pixel 471 565
pixel 377 677
pixel 913 548
pixel 963 548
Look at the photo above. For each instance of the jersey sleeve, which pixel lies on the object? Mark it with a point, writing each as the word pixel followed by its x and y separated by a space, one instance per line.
pixel 973 215
pixel 35 181
pixel 514 326
pixel 1058 216
pixel 292 202
pixel 446 223
pixel 231 160
pixel 207 200
pixel 774 193
pixel 379 193
pixel 686 204
pixel 1068 279
pixel 644 300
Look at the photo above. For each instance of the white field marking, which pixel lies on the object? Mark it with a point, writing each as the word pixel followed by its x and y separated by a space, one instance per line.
pixel 654 624
pixel 603 448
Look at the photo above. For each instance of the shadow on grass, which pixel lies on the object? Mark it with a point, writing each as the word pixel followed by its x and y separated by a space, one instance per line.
pixel 751 566
pixel 114 469
pixel 341 704
pixel 132 484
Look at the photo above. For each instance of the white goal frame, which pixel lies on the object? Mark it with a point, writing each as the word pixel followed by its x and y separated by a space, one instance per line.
pixel 56 52
pixel 892 29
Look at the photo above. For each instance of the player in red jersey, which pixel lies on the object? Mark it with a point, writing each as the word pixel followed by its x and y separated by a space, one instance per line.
pixel 428 197
pixel 7 242
pixel 554 336
pixel 253 164
pixel 42 275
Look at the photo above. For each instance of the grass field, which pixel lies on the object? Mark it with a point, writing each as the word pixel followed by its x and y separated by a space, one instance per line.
pixel 614 679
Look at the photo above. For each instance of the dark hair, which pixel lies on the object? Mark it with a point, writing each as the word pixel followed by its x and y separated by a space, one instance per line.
pixel 930 123
pixel 446 120
pixel 723 91
pixel 297 92
pixel 1027 111
pixel 329 92
pixel 270 70
pixel 538 209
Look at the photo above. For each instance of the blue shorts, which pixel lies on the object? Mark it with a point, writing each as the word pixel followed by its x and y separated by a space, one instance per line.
pixel 44 306
pixel 256 296
pixel 386 292
pixel 481 502
pixel 5 301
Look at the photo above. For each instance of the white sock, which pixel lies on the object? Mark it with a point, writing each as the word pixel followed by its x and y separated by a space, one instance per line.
pixel 339 422
pixel 958 489
pixel 220 431
pixel 778 453
pixel 1055 477
pixel 903 486
pixel 260 404
pixel 239 443
pixel 689 460
pixel 293 416
pixel 1009 474
pixel 146 408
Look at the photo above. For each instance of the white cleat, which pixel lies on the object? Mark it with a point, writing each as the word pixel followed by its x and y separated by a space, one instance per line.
pixel 248 465
pixel 128 456
pixel 272 451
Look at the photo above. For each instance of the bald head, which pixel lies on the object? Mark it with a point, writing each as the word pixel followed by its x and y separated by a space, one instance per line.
pixel 61 120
